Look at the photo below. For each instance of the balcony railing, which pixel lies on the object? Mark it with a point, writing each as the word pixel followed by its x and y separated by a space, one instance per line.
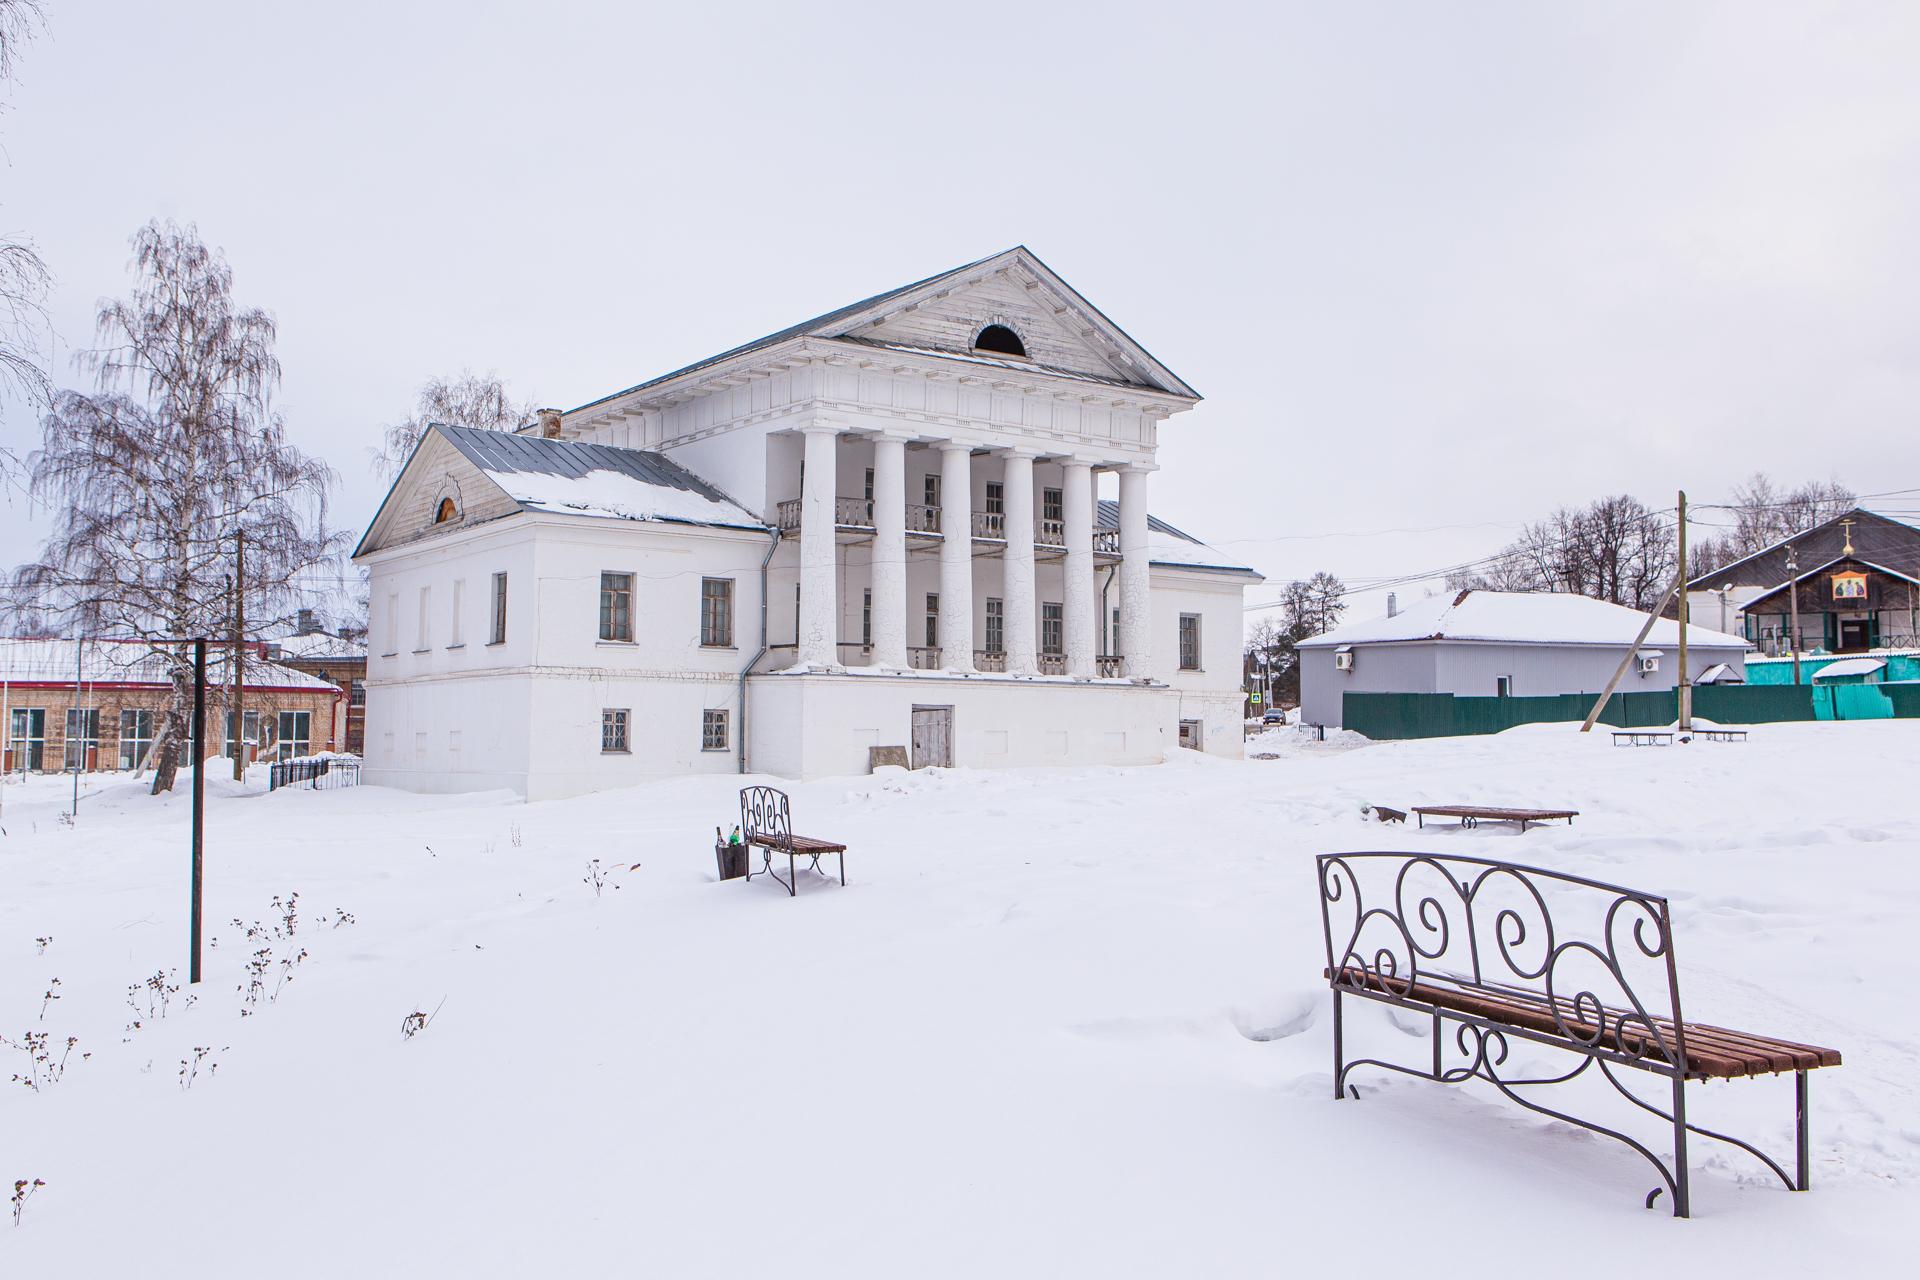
pixel 1053 664
pixel 989 660
pixel 857 513
pixel 924 659
pixel 1108 666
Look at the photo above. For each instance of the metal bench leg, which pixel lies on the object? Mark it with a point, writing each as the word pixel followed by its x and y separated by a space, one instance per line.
pixel 1803 1163
pixel 1682 1201
pixel 1339 1057
pixel 793 877
pixel 843 868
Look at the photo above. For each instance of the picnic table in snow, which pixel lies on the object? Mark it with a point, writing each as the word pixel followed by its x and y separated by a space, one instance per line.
pixel 1472 815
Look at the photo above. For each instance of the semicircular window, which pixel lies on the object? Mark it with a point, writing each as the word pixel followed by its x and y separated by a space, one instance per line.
pixel 447 511
pixel 1001 340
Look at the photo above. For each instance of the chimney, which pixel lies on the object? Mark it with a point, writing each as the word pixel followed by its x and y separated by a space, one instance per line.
pixel 306 625
pixel 549 420
pixel 1393 605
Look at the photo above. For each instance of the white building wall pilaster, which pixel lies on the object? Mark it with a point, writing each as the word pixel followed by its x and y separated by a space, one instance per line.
pixel 1136 616
pixel 1022 649
pixel 819 585
pixel 890 552
pixel 1077 510
pixel 956 556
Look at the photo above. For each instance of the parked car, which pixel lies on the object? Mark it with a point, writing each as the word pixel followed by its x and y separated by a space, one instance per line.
pixel 1274 715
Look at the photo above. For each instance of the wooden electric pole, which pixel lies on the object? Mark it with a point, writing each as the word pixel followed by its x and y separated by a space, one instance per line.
pixel 1793 608
pixel 1685 687
pixel 238 674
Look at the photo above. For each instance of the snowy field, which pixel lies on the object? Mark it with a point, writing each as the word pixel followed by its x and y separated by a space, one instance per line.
pixel 1060 1023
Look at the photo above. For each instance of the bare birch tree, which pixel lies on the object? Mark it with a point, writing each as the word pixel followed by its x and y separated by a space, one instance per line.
pixel 1763 514
pixel 1613 549
pixel 469 400
pixel 23 276
pixel 154 474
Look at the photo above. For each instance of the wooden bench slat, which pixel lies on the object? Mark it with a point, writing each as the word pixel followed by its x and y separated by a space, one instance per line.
pixel 1713 1053
pixel 801 844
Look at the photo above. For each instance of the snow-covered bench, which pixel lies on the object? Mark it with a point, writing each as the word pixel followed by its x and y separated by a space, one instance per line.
pixel 1643 737
pixel 1525 963
pixel 766 819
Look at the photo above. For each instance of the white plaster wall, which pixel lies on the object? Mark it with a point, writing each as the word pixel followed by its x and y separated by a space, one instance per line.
pixel 809 726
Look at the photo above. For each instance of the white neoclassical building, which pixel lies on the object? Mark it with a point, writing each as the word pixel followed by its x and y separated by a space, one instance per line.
pixel 916 522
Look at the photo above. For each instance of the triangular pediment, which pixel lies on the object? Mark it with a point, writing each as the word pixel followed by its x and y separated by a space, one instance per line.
pixel 1059 328
pixel 436 470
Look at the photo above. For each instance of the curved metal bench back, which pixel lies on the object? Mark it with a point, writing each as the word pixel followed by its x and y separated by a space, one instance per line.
pixel 1393 920
pixel 764 812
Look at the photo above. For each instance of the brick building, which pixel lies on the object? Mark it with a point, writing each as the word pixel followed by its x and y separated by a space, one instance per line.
pixel 102 702
pixel 341 660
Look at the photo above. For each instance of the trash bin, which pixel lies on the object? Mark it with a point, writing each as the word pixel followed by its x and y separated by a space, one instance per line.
pixel 732 859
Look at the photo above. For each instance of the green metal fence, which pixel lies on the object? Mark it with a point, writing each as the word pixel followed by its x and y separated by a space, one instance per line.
pixel 1387 716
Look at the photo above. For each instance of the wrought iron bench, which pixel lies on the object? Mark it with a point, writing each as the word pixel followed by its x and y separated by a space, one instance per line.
pixel 767 824
pixel 1472 815
pixel 1516 957
pixel 1722 735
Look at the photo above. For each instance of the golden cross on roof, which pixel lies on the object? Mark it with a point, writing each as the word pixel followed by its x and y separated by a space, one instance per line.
pixel 1847 524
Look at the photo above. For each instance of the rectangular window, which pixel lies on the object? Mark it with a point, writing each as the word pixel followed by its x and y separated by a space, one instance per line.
pixel 296 734
pixel 933 620
pixel 613 731
pixel 716 612
pixel 426 620
pixel 1503 686
pixel 866 491
pixel 136 737
pixel 357 696
pixel 252 733
pixel 616 607
pixel 932 489
pixel 713 730
pixel 866 618
pixel 27 738
pixel 1114 635
pixel 498 633
pixel 996 627
pixel 1052 629
pixel 1189 642
pixel 996 498
pixel 1053 504
pixel 453 618
pixel 83 737
pixel 393 624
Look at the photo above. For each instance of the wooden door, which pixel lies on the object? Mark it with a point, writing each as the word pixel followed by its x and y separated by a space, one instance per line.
pixel 933 737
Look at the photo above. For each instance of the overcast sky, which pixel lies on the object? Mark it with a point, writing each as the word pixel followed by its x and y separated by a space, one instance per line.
pixel 1437 268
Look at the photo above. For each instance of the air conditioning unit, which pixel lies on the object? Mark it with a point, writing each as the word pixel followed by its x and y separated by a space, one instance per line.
pixel 1343 660
pixel 1649 665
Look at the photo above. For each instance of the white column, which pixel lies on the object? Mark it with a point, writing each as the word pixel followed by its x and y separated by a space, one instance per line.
pixel 956 556
pixel 1081 622
pixel 1136 617
pixel 819 577
pixel 890 552
pixel 1017 567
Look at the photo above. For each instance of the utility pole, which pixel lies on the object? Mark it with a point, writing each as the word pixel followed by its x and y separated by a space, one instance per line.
pixel 238 674
pixel 1793 607
pixel 1685 687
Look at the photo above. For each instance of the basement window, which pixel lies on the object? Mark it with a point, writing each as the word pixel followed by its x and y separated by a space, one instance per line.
pixel 1000 340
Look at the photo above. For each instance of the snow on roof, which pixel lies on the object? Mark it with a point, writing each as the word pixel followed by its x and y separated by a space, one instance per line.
pixel 55 662
pixel 1520 617
pixel 572 478
pixel 1167 545
pixel 1720 673
pixel 1849 667
pixel 318 646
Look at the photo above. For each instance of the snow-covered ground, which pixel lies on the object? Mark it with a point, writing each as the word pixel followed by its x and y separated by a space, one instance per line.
pixel 1059 1023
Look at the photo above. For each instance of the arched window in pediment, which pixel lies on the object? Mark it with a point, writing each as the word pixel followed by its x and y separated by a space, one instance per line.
pixel 1000 340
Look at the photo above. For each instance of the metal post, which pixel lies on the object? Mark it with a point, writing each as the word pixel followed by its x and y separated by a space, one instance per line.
pixel 199 797
pixel 1338 1064
pixel 1682 1204
pixel 1793 607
